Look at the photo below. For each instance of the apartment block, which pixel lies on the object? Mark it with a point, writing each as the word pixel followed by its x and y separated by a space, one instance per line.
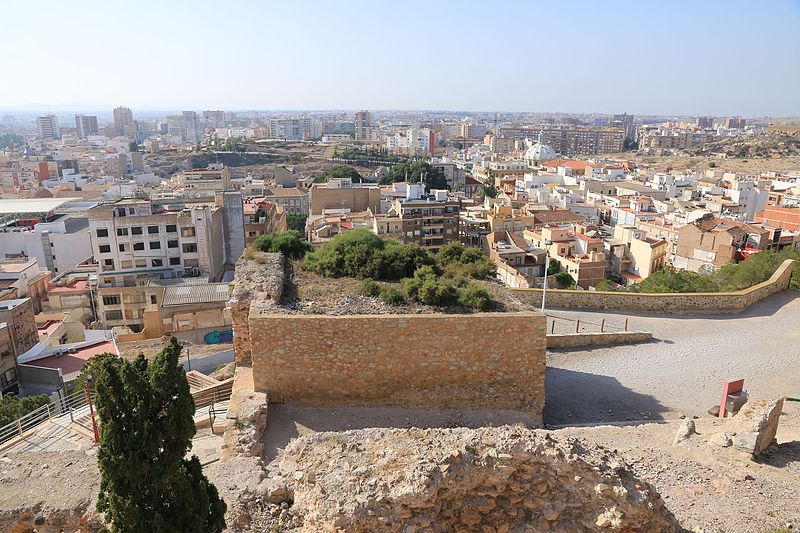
pixel 18 334
pixel 581 256
pixel 430 221
pixel 204 180
pixel 569 140
pixel 342 193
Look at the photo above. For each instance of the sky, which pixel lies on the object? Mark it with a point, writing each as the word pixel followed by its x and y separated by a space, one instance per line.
pixel 677 57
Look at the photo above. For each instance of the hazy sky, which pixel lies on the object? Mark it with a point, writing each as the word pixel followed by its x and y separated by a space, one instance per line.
pixel 659 57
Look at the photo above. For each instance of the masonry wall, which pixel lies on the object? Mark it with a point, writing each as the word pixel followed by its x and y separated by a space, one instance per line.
pixel 471 361
pixel 694 302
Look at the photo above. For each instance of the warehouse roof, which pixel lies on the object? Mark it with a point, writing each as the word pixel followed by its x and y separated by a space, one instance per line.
pixel 13 206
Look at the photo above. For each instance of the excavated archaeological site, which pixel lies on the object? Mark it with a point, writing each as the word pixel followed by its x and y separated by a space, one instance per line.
pixel 369 423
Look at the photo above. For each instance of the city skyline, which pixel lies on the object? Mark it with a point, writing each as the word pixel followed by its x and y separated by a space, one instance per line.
pixel 516 57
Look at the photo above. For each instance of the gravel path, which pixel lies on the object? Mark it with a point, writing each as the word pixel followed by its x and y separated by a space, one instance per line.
pixel 682 371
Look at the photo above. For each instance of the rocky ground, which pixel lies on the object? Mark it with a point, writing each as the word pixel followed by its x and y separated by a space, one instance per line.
pixel 311 293
pixel 150 348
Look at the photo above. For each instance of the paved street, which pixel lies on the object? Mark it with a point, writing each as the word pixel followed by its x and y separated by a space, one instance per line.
pixel 682 371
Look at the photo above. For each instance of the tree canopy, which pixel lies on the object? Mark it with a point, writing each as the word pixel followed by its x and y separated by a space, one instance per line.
pixel 290 243
pixel 415 172
pixel 146 428
pixel 339 171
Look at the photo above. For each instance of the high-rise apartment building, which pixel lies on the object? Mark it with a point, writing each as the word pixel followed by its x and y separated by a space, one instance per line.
pixel 214 119
pixel 735 123
pixel 86 125
pixel 361 125
pixel 705 122
pixel 48 127
pixel 569 140
pixel 191 130
pixel 123 117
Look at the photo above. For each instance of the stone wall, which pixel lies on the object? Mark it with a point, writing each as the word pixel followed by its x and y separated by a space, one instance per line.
pixel 576 340
pixel 465 361
pixel 694 302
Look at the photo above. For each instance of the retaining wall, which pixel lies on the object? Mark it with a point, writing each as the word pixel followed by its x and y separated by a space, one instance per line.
pixel 474 361
pixel 695 302
pixel 576 340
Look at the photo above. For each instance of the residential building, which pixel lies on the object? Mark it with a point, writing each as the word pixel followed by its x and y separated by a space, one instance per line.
pixel 735 123
pixel 640 256
pixel 709 243
pixel 18 334
pixel 47 127
pixel 204 180
pixel 86 125
pixel 58 245
pixel 293 199
pixel 262 218
pixel 342 193
pixel 519 263
pixel 705 122
pixel 430 221
pixel 123 117
pixel 569 140
pixel 25 275
pixel 361 126
pixel 506 218
pixel 578 254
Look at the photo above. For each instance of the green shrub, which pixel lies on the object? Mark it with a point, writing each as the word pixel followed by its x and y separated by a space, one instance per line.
pixel 671 279
pixel 290 243
pixel 455 259
pixel 606 286
pixel 369 288
pixel 564 281
pixel 360 253
pixel 392 296
pixel 475 296
pixel 12 407
pixel 435 291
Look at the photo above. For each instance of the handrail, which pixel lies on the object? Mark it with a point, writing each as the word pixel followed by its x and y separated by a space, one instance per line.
pixel 67 404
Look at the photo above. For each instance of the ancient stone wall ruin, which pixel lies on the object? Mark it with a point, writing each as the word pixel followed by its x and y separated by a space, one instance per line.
pixel 466 361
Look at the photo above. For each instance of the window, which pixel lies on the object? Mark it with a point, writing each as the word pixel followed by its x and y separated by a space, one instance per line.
pixel 115 314
pixel 172 228
pixel 153 299
pixel 172 244
pixel 127 264
pixel 155 245
pixel 122 232
pixel 190 248
pixel 108 262
pixel 138 246
pixel 187 232
pixel 157 262
pixel 141 263
pixel 102 232
pixel 111 299
pixel 104 248
pixel 191 263
pixel 123 247
pixel 174 260
pixel 136 230
pixel 152 229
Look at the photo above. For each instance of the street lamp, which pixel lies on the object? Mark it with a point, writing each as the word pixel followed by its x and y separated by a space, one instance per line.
pixel 547 244
pixel 91 408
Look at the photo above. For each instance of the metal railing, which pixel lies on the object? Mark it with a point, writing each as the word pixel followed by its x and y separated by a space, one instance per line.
pixel 67 406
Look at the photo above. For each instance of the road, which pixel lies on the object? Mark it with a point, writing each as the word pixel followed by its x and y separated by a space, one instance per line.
pixel 208 363
pixel 682 371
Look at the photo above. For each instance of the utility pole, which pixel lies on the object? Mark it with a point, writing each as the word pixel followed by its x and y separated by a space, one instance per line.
pixel 547 243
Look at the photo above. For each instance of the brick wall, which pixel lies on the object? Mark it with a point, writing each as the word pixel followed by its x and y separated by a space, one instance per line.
pixel 469 361
pixel 711 302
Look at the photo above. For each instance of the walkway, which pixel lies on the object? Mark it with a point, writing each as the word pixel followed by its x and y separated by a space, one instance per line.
pixel 683 370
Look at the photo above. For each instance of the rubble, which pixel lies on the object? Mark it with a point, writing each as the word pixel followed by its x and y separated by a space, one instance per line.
pixel 685 431
pixel 758 424
pixel 499 479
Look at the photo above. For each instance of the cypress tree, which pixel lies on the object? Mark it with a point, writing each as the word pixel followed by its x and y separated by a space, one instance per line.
pixel 146 428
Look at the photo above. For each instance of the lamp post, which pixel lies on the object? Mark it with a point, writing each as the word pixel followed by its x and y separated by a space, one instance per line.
pixel 91 408
pixel 547 244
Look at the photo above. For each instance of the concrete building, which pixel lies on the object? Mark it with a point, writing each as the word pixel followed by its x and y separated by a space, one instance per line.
pixel 708 243
pixel 58 245
pixel 578 254
pixel 47 126
pixel 86 125
pixel 430 221
pixel 123 117
pixel 233 224
pixel 26 276
pixel 18 334
pixel 342 193
pixel 787 218
pixel 569 140
pixel 204 181
pixel 519 263
pixel 262 218
pixel 638 256
pixel 361 126
pixel 293 199
pixel 135 238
